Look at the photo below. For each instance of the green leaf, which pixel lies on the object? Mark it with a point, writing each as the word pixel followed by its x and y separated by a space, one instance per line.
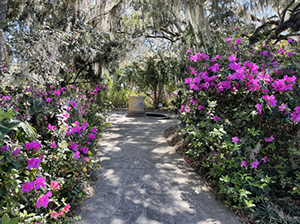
pixel 5 219
pixel 14 220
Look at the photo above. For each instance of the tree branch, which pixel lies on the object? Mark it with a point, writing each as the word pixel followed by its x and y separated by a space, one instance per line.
pixel 285 10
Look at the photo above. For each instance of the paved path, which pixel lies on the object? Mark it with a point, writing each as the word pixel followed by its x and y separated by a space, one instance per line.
pixel 144 181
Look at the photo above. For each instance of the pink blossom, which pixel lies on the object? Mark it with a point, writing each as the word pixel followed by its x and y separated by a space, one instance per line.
pixel 66 115
pixel 39 182
pixel 56 92
pixel 238 41
pixel 4 148
pixel 270 99
pixel 264 159
pixel 33 145
pixel 48 100
pixel 77 155
pixel 243 163
pixel 235 140
pixel 73 103
pixel 216 118
pixel 54 215
pixel 50 127
pixel 200 107
pixel 270 139
pixel 85 150
pixel 16 152
pixel 92 136
pixel 43 200
pixel 33 163
pixel 254 164
pixel 233 58
pixel 27 187
pixel 67 208
pixel 55 185
pixel 73 146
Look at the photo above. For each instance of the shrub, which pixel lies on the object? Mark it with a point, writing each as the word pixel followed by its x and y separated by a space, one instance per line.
pixel 48 140
pixel 242 123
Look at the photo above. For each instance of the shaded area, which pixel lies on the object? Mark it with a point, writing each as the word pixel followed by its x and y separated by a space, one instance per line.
pixel 145 181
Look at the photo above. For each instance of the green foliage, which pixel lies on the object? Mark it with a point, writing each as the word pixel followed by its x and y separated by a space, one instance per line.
pixel 40 124
pixel 256 175
pixel 6 220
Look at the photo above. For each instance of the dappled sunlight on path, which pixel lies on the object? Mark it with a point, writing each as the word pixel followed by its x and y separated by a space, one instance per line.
pixel 144 181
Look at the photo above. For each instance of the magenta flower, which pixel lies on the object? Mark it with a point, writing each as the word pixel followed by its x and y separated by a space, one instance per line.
pixel 92 136
pixel 254 164
pixel 233 58
pixel 73 103
pixel 282 107
pixel 56 92
pixel 214 68
pixel 44 200
pixel 33 145
pixel 50 127
pixel 243 163
pixel 66 115
pixel 16 152
pixel 85 150
pixel 73 146
pixel 264 159
pixel 77 155
pixel 235 140
pixel 94 130
pixel 84 125
pixel 39 182
pixel 53 144
pixel 4 148
pixel 27 187
pixel 48 100
pixel 271 100
pixel 200 107
pixel 258 107
pixel 238 41
pixel 270 139
pixel 33 163
pixel 216 118
pixel 75 129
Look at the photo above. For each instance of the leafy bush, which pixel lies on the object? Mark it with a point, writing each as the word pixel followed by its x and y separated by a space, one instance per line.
pixel 48 140
pixel 242 118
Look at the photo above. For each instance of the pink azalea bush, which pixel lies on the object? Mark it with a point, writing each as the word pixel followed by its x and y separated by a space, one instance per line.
pixel 244 106
pixel 49 150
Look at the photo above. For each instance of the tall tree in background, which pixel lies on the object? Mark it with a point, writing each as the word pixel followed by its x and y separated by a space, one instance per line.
pixel 3 6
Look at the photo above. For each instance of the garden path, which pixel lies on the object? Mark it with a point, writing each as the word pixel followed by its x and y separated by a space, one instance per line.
pixel 144 181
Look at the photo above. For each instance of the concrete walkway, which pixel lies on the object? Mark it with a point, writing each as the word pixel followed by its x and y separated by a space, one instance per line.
pixel 144 181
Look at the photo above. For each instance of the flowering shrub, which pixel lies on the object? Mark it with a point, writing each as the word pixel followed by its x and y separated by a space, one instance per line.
pixel 242 118
pixel 48 143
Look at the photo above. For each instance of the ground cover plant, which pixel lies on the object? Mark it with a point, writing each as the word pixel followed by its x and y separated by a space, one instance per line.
pixel 241 118
pixel 48 139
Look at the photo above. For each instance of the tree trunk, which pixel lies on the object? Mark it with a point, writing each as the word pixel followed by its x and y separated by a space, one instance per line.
pixel 3 7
